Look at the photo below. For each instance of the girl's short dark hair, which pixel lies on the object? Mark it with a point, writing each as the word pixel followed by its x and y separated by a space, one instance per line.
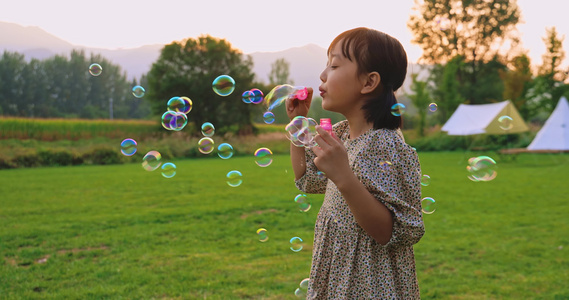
pixel 375 51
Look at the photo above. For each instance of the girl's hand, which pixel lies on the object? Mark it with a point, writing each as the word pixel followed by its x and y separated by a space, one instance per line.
pixel 331 156
pixel 295 107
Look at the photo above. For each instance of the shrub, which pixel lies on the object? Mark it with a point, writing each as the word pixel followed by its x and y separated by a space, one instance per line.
pixel 55 157
pixel 103 156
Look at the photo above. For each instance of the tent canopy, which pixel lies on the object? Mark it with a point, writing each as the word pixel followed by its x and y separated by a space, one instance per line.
pixel 554 135
pixel 469 119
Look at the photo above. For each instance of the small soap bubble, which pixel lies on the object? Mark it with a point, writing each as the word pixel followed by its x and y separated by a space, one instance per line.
pixel 128 147
pixel 304 283
pixel 247 96
pixel 225 151
pixel 296 244
pixel 303 202
pixel 321 175
pixel 385 165
pixel 433 107
pixel 262 234
pixel 263 157
pixel 175 121
pixel 398 109
pixel 442 23
pixel 425 180
pixel 208 129
pixel 506 122
pixel 257 96
pixel 168 170
pixel 269 117
pixel 300 293
pixel 95 69
pixel 138 91
pixel 428 205
pixel 151 161
pixel 223 85
pixel 481 168
pixel 206 145
pixel 234 178
pixel 301 131
pixel 188 104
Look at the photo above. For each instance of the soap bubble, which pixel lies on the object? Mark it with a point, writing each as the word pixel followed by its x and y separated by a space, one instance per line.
pixel 506 122
pixel 225 151
pixel 398 109
pixel 425 180
pixel 206 145
pixel 263 234
pixel 128 147
pixel 428 205
pixel 304 203
pixel 263 157
pixel 151 161
pixel 385 165
pixel 257 96
pixel 296 244
pixel 138 91
pixel 223 85
pixel 321 175
pixel 247 96
pixel 433 107
pixel 304 283
pixel 481 168
pixel 234 178
pixel 175 121
pixel 299 293
pixel 269 117
pixel 168 170
pixel 95 69
pixel 280 93
pixel 208 129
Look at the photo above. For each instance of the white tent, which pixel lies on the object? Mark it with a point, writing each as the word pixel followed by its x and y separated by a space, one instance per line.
pixel 554 135
pixel 469 119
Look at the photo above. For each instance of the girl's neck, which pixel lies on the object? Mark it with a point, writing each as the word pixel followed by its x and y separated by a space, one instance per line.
pixel 358 125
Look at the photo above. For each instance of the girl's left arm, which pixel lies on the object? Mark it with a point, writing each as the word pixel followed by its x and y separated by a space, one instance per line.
pixel 374 217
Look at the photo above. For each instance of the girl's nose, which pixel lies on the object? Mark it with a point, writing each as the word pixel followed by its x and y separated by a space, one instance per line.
pixel 323 76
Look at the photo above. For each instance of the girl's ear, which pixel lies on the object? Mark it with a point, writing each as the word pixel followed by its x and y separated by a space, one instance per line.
pixel 370 82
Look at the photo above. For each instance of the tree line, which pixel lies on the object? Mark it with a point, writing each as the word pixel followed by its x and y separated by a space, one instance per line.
pixel 62 87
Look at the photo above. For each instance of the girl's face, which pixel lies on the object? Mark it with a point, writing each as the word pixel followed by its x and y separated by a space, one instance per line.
pixel 341 86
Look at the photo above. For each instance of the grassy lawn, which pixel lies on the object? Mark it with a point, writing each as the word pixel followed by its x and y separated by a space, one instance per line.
pixel 96 232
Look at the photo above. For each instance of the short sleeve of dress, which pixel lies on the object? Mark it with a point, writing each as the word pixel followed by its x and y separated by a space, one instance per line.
pixel 311 182
pixel 390 170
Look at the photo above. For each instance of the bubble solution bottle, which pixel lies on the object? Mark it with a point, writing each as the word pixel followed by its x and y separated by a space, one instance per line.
pixel 326 124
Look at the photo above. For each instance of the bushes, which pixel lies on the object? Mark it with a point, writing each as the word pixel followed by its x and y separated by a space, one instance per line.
pixel 60 157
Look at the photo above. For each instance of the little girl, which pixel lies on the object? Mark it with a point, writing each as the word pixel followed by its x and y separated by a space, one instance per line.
pixel 371 215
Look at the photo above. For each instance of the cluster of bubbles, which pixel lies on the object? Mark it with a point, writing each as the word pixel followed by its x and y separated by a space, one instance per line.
pixel 481 168
pixel 506 122
pixel 302 290
pixel 175 118
pixel 301 131
pixel 254 96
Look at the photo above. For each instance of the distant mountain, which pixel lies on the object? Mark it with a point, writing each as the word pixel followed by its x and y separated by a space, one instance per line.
pixel 306 63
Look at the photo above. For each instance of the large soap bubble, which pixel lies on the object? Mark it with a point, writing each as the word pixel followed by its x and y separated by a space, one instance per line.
pixel 280 93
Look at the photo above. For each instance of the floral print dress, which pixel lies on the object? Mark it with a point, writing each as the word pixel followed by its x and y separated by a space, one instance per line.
pixel 346 262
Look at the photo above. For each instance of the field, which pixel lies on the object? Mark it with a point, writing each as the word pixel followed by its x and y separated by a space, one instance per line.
pixel 108 232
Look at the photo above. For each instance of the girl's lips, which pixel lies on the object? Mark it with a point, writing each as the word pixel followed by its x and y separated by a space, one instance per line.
pixel 322 92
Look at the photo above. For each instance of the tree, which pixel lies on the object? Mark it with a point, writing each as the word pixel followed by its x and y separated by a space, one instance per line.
pixel 474 29
pixel 553 56
pixel 421 99
pixel 280 73
pixel 12 65
pixel 188 68
pixel 516 82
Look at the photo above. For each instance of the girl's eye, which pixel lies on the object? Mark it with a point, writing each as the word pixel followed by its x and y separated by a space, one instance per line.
pixel 333 67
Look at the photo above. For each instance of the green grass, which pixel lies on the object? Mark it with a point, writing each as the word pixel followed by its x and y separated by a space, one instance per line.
pixel 96 232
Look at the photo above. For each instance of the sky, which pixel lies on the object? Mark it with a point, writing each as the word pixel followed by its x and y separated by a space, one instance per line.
pixel 250 25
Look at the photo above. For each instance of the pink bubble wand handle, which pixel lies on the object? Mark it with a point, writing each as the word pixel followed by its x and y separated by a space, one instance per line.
pixel 301 94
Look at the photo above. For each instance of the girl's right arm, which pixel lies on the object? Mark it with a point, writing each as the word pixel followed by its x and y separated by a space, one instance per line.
pixel 294 108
